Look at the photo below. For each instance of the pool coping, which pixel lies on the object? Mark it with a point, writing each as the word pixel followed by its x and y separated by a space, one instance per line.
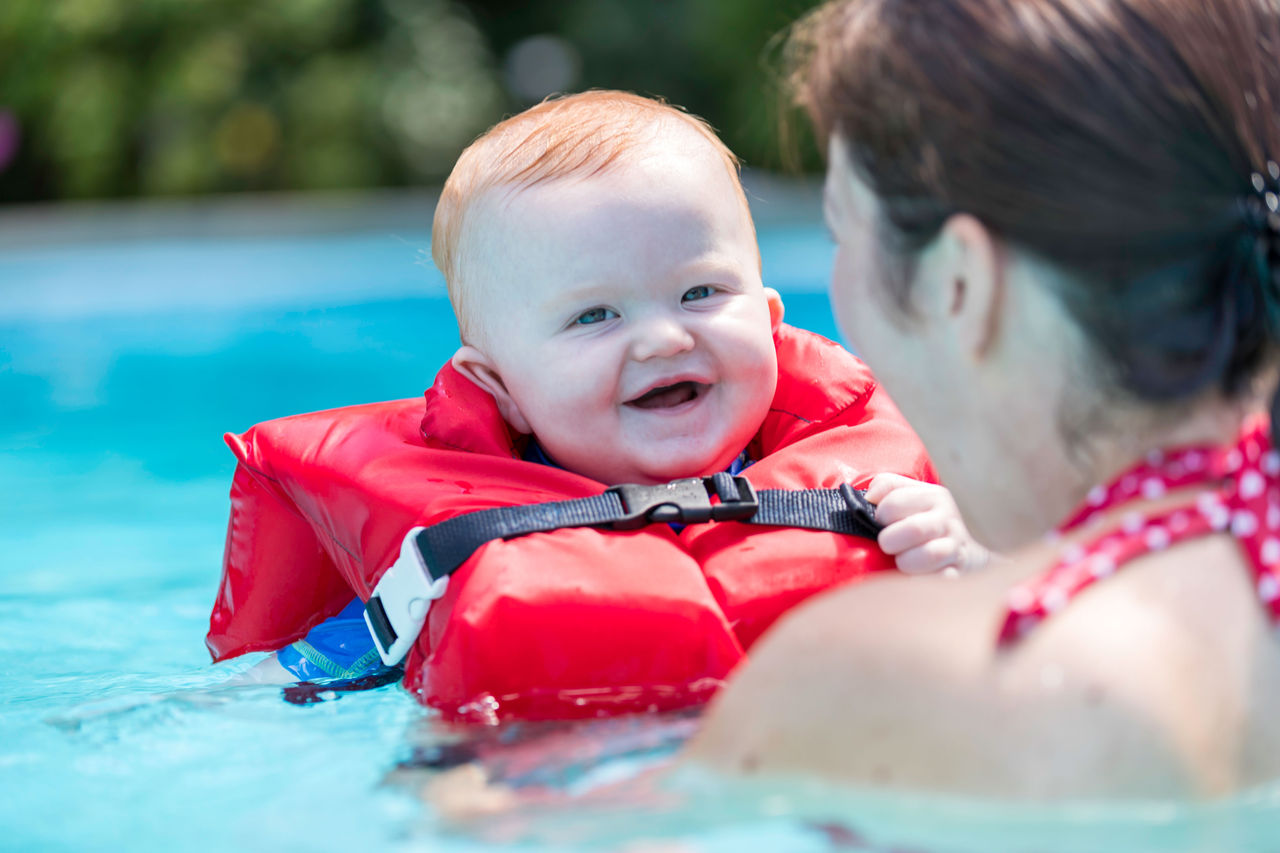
pixel 775 199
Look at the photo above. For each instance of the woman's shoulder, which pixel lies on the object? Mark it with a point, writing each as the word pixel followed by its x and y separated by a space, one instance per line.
pixel 1146 684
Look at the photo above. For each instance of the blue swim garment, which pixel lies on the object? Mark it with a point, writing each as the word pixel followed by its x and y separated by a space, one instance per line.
pixel 339 647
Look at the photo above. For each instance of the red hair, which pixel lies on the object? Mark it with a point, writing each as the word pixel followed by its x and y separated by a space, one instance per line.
pixel 572 136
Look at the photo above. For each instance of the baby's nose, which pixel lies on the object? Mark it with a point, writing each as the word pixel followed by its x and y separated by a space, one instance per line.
pixel 660 337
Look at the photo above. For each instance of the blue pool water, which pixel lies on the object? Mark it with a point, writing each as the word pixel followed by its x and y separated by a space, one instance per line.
pixel 122 362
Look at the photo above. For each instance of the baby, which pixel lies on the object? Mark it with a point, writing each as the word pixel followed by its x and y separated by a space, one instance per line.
pixel 612 304
pixel 602 263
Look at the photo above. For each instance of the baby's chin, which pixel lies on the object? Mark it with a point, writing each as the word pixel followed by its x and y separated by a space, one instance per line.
pixel 694 465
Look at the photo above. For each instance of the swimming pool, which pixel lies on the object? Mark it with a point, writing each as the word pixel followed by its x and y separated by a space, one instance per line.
pixel 125 353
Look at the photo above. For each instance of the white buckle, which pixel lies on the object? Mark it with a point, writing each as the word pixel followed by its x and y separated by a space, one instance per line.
pixel 404 594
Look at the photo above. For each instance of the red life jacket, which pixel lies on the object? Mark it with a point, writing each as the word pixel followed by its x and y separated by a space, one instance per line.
pixel 573 622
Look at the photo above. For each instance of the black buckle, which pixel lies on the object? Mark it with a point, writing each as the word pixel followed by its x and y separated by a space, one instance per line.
pixel 684 502
pixel 383 632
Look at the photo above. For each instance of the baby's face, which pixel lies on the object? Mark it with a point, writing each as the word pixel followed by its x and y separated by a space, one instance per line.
pixel 621 318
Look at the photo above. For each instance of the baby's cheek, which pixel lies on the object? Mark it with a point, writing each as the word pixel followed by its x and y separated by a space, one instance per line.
pixel 549 409
pixel 566 378
pixel 751 351
pixel 764 371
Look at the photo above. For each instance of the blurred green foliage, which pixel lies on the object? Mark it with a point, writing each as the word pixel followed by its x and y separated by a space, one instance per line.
pixel 108 98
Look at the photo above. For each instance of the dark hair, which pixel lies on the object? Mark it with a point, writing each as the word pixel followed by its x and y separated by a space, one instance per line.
pixel 1116 138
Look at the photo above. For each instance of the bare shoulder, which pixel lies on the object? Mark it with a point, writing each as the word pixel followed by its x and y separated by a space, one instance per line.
pixel 1145 684
pixel 853 684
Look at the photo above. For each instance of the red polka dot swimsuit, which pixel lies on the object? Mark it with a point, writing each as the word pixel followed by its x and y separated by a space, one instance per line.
pixel 1240 493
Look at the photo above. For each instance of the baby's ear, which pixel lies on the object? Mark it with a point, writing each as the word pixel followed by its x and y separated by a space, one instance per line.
pixel 776 310
pixel 480 369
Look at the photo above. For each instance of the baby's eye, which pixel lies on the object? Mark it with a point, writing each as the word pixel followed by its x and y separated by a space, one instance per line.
pixel 595 315
pixel 702 291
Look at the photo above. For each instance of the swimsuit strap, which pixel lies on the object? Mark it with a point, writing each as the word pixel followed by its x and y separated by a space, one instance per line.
pixel 1240 494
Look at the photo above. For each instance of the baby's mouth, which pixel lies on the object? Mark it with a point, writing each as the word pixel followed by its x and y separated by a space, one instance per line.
pixel 669 396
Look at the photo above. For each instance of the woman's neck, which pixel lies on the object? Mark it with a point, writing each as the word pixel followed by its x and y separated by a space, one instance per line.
pixel 1062 431
pixel 1059 480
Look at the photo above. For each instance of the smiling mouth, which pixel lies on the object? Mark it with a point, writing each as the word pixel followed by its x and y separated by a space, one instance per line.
pixel 669 396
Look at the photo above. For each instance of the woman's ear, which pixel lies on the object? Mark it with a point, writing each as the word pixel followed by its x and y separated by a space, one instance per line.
pixel 973 283
pixel 776 309
pixel 480 369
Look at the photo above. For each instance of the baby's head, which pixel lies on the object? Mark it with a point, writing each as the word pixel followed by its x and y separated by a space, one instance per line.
pixel 602 263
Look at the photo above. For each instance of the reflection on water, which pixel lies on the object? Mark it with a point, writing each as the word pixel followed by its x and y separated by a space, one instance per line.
pixel 609 784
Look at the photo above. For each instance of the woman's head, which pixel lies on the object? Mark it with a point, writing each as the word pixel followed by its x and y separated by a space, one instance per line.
pixel 1108 146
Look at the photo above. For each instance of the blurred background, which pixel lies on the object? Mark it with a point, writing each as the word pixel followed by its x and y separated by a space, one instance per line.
pixel 108 99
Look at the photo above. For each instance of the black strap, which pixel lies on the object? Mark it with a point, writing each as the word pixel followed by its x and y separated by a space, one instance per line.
pixel 447 545
pixel 845 510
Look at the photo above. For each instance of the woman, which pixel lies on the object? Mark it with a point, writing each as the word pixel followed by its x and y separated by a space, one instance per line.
pixel 1059 249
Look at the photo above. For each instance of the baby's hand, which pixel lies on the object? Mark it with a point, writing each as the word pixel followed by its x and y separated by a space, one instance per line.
pixel 922 527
